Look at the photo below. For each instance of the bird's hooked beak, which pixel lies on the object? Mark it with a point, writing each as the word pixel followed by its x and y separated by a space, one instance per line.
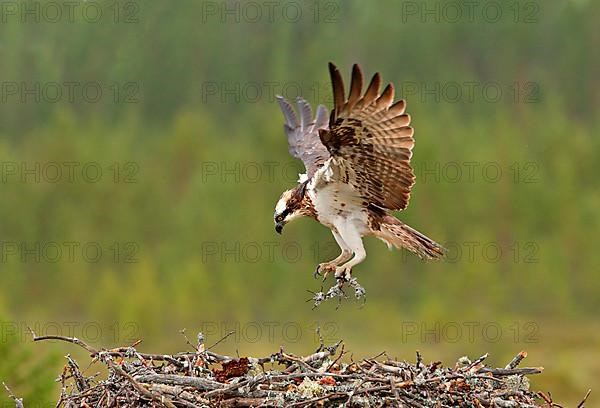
pixel 279 226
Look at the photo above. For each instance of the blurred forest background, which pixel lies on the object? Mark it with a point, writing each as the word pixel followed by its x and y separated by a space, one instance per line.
pixel 142 154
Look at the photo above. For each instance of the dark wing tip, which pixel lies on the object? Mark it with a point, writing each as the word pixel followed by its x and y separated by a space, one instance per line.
pixel 376 82
pixel 338 88
pixel 355 87
pixel 333 71
pixel 372 91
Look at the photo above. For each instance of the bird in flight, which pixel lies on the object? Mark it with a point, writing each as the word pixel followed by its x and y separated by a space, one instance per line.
pixel 357 161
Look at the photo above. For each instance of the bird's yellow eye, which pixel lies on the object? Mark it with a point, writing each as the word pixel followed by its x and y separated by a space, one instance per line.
pixel 279 218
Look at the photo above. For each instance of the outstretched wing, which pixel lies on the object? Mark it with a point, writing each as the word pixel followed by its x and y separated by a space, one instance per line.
pixel 370 141
pixel 303 135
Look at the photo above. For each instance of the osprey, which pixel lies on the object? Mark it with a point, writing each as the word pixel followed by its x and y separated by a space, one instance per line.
pixel 358 171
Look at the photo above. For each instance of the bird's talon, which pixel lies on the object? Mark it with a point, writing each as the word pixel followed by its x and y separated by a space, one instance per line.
pixel 324 269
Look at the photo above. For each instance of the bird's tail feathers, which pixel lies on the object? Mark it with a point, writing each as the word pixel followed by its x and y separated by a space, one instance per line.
pixel 396 233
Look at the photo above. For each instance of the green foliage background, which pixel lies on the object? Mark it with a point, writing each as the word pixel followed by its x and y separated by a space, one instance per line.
pixel 542 291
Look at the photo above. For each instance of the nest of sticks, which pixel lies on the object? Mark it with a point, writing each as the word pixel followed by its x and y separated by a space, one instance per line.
pixel 325 378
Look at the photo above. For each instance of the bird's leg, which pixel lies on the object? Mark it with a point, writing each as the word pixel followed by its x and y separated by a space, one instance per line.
pixel 350 240
pixel 343 272
pixel 326 267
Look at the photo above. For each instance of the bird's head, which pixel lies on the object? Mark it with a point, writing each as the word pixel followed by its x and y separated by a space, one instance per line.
pixel 290 206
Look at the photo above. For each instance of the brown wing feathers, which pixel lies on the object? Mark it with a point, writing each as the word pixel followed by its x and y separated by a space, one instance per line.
pixel 372 91
pixel 338 89
pixel 373 137
pixel 355 89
